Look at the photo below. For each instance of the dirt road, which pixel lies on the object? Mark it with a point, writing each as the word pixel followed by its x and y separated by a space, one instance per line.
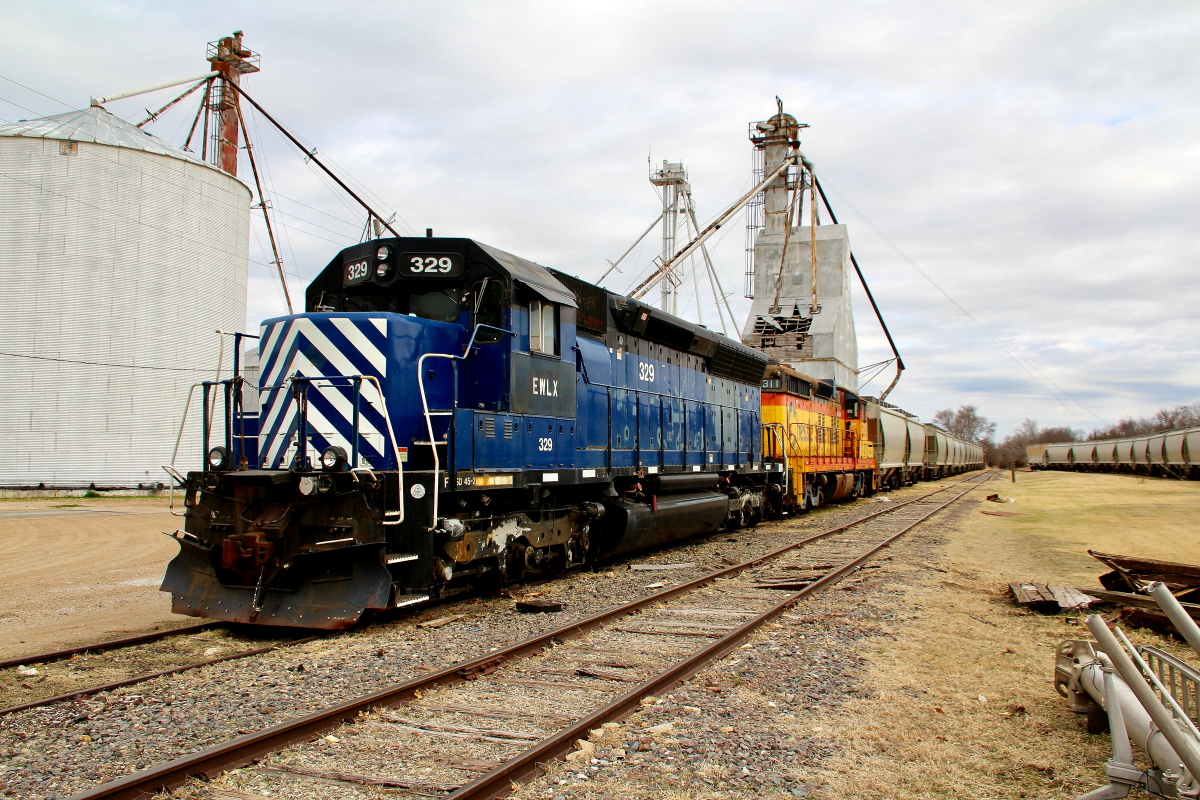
pixel 76 571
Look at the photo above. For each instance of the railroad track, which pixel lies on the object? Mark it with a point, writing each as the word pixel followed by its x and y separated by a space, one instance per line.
pixel 115 660
pixel 472 729
pixel 110 644
pixel 129 668
pixel 141 677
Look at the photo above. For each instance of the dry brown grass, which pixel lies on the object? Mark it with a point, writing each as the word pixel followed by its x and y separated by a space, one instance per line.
pixel 925 732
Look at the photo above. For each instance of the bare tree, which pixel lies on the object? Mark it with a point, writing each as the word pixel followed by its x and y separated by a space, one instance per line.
pixel 966 423
pixel 1165 419
pixel 1012 451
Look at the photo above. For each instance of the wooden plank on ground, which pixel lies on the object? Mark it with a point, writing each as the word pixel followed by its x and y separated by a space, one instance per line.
pixel 653 632
pixel 370 780
pixel 440 621
pixel 592 672
pixel 1070 599
pixel 1034 596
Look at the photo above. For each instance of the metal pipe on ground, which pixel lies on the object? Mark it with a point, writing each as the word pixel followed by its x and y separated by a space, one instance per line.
pixel 1139 727
pixel 1182 621
pixel 1184 748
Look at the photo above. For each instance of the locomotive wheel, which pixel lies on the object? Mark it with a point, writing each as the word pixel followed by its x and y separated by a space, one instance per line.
pixel 555 564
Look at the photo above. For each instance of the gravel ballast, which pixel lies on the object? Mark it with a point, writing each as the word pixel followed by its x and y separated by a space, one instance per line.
pixel 58 750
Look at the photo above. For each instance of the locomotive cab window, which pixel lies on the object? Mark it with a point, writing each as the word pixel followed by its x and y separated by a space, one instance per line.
pixel 543 328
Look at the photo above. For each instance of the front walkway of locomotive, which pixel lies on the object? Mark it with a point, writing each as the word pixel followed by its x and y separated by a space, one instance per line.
pixel 446 416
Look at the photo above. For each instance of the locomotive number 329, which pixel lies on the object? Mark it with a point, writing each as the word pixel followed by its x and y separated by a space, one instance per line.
pixel 430 264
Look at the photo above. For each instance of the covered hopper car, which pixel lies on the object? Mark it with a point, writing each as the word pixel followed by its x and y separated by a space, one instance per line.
pixel 1174 454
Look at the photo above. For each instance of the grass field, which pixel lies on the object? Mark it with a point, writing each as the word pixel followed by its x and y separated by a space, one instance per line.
pixel 964 703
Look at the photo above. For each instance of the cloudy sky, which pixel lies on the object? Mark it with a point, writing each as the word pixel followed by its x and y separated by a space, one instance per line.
pixel 1039 162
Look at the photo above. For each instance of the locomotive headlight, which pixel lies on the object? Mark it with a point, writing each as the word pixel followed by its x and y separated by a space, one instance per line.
pixel 382 253
pixel 383 269
pixel 218 458
pixel 333 458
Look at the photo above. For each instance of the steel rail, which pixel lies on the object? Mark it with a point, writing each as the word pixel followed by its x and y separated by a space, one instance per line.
pixel 212 761
pixel 150 676
pixel 128 641
pixel 499 782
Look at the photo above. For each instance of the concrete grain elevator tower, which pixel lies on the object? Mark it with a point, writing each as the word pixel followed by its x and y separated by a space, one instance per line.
pixel 801 314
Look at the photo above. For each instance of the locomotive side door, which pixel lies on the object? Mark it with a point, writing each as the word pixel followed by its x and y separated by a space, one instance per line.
pixel 484 385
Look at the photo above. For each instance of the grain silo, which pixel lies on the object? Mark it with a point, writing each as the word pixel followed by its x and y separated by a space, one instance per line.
pixel 120 257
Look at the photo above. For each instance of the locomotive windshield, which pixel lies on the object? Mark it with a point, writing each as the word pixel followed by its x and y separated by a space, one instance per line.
pixel 440 305
pixel 435 301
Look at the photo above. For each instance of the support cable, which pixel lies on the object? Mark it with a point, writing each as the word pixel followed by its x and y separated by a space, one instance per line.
pixel 871 297
pixel 203 105
pixel 1038 377
pixel 312 156
pixel 262 202
pixel 813 222
pixel 613 264
pixel 714 280
pixel 153 115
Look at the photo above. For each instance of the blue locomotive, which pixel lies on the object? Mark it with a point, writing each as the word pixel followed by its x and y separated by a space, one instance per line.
pixel 447 416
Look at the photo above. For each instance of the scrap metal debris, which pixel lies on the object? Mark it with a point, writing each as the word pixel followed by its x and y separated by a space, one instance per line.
pixel 1127 587
pixel 1134 574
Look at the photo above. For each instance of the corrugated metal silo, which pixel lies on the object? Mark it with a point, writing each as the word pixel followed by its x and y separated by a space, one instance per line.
pixel 120 256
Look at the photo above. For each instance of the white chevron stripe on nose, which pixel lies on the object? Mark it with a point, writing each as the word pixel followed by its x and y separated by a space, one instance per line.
pixel 280 414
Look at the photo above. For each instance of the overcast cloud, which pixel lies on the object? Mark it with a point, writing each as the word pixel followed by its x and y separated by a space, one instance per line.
pixel 1039 161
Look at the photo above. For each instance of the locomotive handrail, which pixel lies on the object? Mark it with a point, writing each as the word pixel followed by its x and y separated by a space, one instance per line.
pixel 170 470
pixel 777 429
pixel 821 440
pixel 437 481
pixel 387 419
